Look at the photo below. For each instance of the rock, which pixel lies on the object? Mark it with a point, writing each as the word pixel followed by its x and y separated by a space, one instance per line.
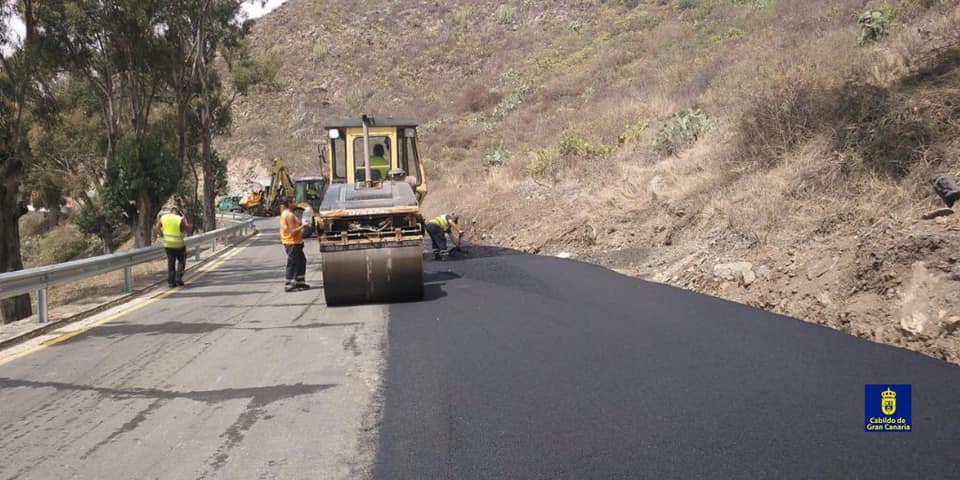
pixel 954 274
pixel 948 188
pixel 741 272
pixel 824 299
pixel 564 255
pixel 764 272
pixel 820 268
pixel 940 212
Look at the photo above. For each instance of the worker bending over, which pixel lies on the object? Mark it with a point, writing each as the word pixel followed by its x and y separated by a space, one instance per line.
pixel 172 227
pixel 291 235
pixel 439 228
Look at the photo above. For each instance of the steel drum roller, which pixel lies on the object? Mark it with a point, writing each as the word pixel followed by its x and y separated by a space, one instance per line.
pixel 373 275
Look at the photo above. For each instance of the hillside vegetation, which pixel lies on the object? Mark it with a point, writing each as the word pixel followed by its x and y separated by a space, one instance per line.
pixel 665 139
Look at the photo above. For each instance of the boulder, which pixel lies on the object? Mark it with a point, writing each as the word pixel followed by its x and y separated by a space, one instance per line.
pixel 741 272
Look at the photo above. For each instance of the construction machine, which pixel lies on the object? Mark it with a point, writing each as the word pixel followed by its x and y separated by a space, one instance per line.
pixel 369 224
pixel 267 200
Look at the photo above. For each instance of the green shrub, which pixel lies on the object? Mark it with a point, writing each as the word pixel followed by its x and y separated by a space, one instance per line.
pixel 682 131
pixel 633 132
pixel 510 102
pixel 545 163
pixel 505 14
pixel 319 51
pixel 425 128
pixel 687 4
pixel 874 25
pixel 496 157
pixel 552 161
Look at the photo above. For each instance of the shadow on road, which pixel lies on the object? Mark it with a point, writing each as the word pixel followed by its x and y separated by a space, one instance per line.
pixel 261 395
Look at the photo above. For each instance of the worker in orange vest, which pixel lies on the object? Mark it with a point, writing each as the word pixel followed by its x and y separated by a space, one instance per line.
pixel 291 235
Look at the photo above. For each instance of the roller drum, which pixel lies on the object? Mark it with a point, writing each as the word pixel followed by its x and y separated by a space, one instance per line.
pixel 373 275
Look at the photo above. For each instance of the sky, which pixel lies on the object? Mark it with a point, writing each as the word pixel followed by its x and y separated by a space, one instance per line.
pixel 254 9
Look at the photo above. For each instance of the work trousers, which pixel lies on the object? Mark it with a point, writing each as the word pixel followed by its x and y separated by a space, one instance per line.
pixel 438 237
pixel 296 263
pixel 176 264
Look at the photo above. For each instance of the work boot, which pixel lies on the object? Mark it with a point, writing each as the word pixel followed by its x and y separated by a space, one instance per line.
pixel 289 287
pixel 302 286
pixel 180 283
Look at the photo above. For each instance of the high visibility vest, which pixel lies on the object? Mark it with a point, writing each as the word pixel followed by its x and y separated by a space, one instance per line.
pixel 441 222
pixel 172 235
pixel 289 238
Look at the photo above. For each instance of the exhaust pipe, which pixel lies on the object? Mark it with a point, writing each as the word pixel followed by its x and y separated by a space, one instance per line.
pixel 366 151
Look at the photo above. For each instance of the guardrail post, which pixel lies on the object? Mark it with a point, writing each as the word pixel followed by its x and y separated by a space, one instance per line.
pixel 42 305
pixel 213 245
pixel 197 253
pixel 127 279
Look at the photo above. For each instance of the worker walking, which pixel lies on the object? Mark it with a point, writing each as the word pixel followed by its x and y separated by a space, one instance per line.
pixel 439 228
pixel 172 226
pixel 291 235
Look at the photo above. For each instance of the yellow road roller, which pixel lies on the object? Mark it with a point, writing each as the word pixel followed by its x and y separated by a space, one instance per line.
pixel 369 224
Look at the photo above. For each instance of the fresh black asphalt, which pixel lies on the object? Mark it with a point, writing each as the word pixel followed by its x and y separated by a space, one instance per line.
pixel 525 367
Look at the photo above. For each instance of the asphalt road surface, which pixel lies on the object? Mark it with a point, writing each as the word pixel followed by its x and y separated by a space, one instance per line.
pixel 514 367
pixel 228 378
pixel 531 367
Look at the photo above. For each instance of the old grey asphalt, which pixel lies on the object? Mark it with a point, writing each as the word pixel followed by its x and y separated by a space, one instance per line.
pixel 538 368
pixel 229 378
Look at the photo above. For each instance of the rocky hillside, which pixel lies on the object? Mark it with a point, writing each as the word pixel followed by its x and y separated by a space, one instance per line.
pixel 772 152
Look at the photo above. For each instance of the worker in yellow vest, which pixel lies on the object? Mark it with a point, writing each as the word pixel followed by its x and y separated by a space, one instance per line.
pixel 291 236
pixel 439 228
pixel 173 226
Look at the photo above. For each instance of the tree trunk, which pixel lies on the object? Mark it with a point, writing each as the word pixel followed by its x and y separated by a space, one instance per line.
pixel 53 216
pixel 15 308
pixel 144 227
pixel 209 187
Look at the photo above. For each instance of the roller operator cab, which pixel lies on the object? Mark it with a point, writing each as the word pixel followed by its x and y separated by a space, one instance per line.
pixel 369 224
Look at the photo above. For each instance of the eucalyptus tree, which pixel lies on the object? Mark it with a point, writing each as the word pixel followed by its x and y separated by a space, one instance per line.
pixel 21 85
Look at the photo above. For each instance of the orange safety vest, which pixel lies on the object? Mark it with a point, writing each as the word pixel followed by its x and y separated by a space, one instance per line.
pixel 290 238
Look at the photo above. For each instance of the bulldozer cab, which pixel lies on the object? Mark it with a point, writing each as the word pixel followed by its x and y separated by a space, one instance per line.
pixel 393 146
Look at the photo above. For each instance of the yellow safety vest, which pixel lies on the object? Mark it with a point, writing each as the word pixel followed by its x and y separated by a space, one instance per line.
pixel 441 222
pixel 172 235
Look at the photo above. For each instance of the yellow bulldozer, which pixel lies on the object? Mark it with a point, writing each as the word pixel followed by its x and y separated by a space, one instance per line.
pixel 369 224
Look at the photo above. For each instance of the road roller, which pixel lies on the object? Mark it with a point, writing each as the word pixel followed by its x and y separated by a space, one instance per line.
pixel 369 224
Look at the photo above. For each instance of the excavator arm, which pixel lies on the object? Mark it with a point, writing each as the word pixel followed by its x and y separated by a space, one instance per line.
pixel 281 186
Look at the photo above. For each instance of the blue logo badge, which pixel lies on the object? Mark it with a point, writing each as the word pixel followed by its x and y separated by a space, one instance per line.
pixel 887 408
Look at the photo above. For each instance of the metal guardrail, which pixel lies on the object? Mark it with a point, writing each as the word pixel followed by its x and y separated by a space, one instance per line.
pixel 41 278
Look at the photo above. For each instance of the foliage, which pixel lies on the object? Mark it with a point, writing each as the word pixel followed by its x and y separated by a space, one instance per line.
pixel 505 14
pixel 510 102
pixel 633 132
pixel 680 132
pixel 571 145
pixel 319 50
pixel 260 70
pixel 143 169
pixel 61 244
pixel 425 128
pixel 496 157
pixel 103 221
pixel 874 25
